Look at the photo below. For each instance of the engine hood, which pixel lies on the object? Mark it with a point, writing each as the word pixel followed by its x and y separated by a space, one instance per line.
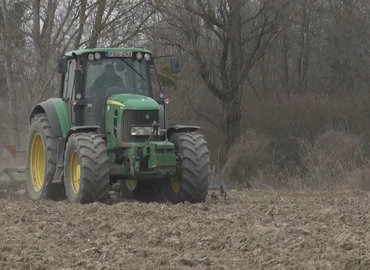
pixel 133 102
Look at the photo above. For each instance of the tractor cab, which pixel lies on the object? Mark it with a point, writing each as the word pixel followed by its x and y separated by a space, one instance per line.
pixel 112 76
pixel 90 77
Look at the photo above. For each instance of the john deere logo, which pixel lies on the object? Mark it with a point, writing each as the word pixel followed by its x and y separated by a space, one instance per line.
pixel 147 116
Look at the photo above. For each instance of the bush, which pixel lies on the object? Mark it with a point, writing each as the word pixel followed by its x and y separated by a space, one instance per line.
pixel 246 159
pixel 331 161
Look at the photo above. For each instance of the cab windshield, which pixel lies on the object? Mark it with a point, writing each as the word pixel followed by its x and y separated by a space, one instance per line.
pixel 112 76
pixel 117 76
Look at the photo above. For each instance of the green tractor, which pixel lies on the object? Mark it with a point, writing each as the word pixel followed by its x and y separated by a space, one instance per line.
pixel 106 127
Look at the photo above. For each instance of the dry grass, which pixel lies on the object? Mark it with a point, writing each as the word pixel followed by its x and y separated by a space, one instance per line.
pixel 335 160
pixel 332 161
pixel 246 158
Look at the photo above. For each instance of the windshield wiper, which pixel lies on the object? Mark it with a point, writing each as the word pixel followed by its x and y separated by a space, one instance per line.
pixel 133 69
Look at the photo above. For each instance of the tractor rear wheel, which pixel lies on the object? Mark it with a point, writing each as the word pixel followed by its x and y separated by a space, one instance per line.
pixel 190 183
pixel 41 160
pixel 86 168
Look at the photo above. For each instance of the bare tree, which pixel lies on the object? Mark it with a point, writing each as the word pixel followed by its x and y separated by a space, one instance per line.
pixel 11 18
pixel 33 33
pixel 225 38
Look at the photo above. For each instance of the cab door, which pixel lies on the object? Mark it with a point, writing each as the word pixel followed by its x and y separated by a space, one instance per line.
pixel 69 89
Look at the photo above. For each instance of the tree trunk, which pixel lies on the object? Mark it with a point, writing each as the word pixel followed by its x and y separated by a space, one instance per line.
pixel 82 21
pixel 285 61
pixel 233 117
pixel 12 95
pixel 36 25
pixel 48 24
pixel 304 50
pixel 97 25
pixel 233 95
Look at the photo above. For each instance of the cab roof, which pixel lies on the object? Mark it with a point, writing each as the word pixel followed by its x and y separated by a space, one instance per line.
pixel 94 50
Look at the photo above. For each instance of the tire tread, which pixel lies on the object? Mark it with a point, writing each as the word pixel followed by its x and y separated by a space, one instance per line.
pixel 194 166
pixel 94 162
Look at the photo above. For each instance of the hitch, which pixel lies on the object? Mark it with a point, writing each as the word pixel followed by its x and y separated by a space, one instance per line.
pixel 218 187
pixel 11 184
pixel 155 127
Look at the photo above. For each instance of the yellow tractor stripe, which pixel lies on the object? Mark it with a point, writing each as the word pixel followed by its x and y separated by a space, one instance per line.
pixel 113 102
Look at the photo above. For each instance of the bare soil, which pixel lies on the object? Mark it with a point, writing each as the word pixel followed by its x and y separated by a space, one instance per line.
pixel 250 230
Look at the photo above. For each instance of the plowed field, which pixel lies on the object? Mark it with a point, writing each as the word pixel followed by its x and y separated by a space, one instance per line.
pixel 250 230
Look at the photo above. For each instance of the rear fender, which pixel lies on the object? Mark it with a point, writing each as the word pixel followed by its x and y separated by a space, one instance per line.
pixel 57 113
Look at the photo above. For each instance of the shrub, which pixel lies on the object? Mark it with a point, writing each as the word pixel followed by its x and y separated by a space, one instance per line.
pixel 330 161
pixel 246 158
pixel 333 161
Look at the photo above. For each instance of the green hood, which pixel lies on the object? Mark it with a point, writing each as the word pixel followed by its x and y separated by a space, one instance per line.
pixel 133 102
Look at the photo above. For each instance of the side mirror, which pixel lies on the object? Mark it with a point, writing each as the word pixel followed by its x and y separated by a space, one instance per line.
pixel 175 65
pixel 62 65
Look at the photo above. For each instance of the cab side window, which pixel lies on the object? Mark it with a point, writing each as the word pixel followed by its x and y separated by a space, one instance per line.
pixel 69 85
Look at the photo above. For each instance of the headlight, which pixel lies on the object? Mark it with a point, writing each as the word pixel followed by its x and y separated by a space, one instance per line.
pixel 91 57
pixel 147 57
pixel 141 131
pixel 139 56
pixel 97 56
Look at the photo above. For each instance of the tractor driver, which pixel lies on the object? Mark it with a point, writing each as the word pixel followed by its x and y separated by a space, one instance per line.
pixel 107 79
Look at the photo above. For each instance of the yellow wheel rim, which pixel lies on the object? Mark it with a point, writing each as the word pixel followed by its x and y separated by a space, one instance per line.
pixel 131 184
pixel 37 166
pixel 75 173
pixel 175 184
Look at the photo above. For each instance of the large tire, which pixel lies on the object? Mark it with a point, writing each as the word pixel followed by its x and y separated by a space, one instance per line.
pixel 86 168
pixel 191 182
pixel 41 160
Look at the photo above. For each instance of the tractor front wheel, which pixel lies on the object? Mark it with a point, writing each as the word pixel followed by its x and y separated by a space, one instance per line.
pixel 86 168
pixel 190 182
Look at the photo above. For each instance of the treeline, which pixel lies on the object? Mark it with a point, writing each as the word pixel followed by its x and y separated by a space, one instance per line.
pixel 239 60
